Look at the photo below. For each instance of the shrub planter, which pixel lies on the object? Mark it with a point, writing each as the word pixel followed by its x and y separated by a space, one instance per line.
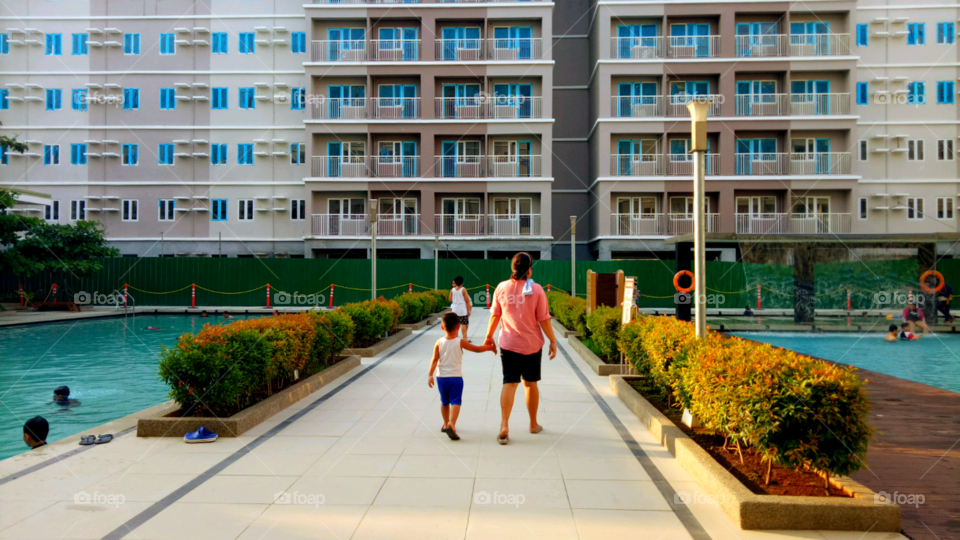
pixel 165 423
pixel 380 346
pixel 749 510
pixel 418 325
pixel 561 329
pixel 595 362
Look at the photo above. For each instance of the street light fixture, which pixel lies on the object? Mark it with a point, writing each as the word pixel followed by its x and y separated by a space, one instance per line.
pixel 698 147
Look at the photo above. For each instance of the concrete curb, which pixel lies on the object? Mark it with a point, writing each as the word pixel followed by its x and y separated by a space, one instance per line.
pixel 748 510
pixel 380 346
pixel 160 425
pixel 596 364
pixel 561 330
pixel 419 325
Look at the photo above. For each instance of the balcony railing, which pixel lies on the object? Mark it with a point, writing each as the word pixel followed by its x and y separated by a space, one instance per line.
pixel 398 224
pixel 782 223
pixel 762 45
pixel 487 225
pixel 497 107
pixel 339 109
pixel 819 104
pixel 762 105
pixel 819 44
pixel 487 166
pixel 340 225
pixel 638 225
pixel 459 108
pixel 683 223
pixel 636 106
pixel 365 166
pixel 781 163
pixel 415 1
pixel 395 108
pixel 463 50
pixel 339 51
pixel 677 104
pixel 693 46
pixel 395 166
pixel 637 48
pixel 659 164
pixel 395 50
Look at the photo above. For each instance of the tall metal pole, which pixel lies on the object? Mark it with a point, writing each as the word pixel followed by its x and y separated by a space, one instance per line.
pixel 436 261
pixel 698 127
pixel 220 244
pixel 573 256
pixel 373 249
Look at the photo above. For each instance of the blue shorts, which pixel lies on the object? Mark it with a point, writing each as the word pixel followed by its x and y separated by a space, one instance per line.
pixel 451 390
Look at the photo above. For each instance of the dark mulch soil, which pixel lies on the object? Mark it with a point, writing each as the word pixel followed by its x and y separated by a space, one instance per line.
pixel 752 471
pixel 588 343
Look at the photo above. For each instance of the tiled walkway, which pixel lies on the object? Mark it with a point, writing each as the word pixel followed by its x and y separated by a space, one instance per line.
pixel 367 460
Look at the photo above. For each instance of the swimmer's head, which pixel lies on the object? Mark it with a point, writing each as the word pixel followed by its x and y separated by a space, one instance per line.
pixel 892 328
pixel 61 393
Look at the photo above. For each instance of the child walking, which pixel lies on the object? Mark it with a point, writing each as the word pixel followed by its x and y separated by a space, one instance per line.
pixel 460 303
pixel 448 356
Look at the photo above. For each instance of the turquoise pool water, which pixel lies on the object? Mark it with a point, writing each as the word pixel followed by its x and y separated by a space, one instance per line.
pixel 110 366
pixel 932 360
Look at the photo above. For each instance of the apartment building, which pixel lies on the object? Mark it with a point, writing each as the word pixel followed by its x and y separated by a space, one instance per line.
pixel 827 118
pixel 275 129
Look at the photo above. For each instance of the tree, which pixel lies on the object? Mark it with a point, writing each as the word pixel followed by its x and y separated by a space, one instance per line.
pixel 11 143
pixel 30 245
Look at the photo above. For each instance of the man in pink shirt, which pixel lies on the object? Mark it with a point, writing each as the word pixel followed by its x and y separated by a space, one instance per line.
pixel 519 307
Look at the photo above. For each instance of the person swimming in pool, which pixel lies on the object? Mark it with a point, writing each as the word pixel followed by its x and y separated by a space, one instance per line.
pixel 61 397
pixel 906 334
pixel 152 328
pixel 892 333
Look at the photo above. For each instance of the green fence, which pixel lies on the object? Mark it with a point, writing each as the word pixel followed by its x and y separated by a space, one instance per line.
pixel 242 282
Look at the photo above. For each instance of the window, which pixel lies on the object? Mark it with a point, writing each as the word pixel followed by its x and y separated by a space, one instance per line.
pixel 298 42
pixel 51 154
pixel 244 154
pixel 946 33
pixel 945 150
pixel 80 44
pixel 78 154
pixel 218 210
pixel 945 93
pixel 247 98
pixel 914 207
pixel 130 209
pixel 916 33
pixel 944 207
pixel 247 46
pixel 54 99
pixel 298 153
pixel 245 210
pixel 167 210
pixel 130 154
pixel 54 45
pixel 298 98
pixel 168 99
pixel 168 44
pixel 4 158
pixel 4 43
pixel 916 93
pixel 864 149
pixel 915 150
pixel 78 210
pixel 165 154
pixel 52 212
pixel 131 99
pixel 218 154
pixel 863 31
pixel 4 101
pixel 863 208
pixel 218 98
pixel 78 99
pixel 862 92
pixel 219 43
pixel 298 209
pixel 131 44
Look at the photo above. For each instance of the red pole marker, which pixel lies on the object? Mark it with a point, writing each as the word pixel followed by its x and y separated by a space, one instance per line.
pixel 268 295
pixel 548 287
pixel 848 299
pixel 488 296
pixel 21 295
pixel 909 295
pixel 124 296
pixel 331 295
pixel 193 295
pixel 54 287
pixel 758 296
pixel 410 289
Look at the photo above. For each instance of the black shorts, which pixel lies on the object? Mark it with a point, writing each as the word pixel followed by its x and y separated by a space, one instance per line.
pixel 464 320
pixel 517 366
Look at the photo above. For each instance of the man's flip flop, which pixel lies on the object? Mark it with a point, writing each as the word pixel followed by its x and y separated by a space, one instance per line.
pixel 88 440
pixel 452 434
pixel 104 439
pixel 538 430
pixel 503 441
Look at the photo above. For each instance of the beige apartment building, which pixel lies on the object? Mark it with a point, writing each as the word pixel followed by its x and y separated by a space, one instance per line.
pixel 277 129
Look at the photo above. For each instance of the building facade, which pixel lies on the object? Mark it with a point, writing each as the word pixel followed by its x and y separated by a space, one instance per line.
pixel 278 128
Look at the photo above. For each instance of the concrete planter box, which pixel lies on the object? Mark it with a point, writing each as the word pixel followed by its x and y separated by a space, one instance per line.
pixel 561 330
pixel 599 366
pixel 751 511
pixel 161 425
pixel 380 346
pixel 429 320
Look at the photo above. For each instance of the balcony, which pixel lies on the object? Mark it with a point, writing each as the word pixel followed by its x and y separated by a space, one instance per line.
pixel 793 223
pixel 465 50
pixel 658 224
pixel 636 106
pixel 495 108
pixel 693 47
pixel 336 2
pixel 677 105
pixel 487 225
pixel 762 105
pixel 395 50
pixel 637 48
pixel 765 45
pixel 365 166
pixel 487 166
pixel 652 47
pixel 819 104
pixel 757 46
pixel 338 51
pixel 395 108
pixel 660 165
pixel 339 109
pixel 359 225
pixel 819 44
pixel 782 163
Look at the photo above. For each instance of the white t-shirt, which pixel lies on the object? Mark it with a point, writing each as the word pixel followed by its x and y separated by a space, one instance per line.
pixel 451 358
pixel 458 304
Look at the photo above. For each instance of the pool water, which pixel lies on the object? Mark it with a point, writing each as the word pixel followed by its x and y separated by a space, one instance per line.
pixel 932 360
pixel 110 366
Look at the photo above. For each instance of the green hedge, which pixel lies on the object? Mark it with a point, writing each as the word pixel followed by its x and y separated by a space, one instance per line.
pixel 570 311
pixel 415 306
pixel 604 327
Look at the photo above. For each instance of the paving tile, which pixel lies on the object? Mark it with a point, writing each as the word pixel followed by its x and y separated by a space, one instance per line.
pixel 71 520
pixel 626 524
pixel 138 487
pixel 426 492
pixel 371 465
pixel 184 520
pixel 532 492
pixel 412 523
pixel 443 466
pixel 239 489
pixel 595 468
pixel 257 463
pixel 615 495
pixel 522 523
pixel 305 522
pixel 338 490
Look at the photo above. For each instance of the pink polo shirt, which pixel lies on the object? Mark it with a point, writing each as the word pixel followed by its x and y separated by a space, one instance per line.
pixel 520 316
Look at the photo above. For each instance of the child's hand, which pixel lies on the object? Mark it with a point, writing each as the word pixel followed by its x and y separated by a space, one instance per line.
pixel 430 381
pixel 492 348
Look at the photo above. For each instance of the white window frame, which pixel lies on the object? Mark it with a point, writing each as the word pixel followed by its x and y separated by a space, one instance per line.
pixel 51 213
pixel 863 150
pixel 636 206
pixel 915 208
pixel 915 150
pixel 125 210
pixel 78 210
pixel 863 209
pixel 945 149
pixel 298 209
pixel 170 210
pixel 946 208
pixel 246 209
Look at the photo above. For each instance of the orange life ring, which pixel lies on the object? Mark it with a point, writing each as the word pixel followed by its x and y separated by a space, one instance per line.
pixel 923 281
pixel 676 281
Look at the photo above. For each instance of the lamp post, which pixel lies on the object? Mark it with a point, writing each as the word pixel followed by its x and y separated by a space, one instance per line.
pixel 373 249
pixel 436 261
pixel 573 256
pixel 698 146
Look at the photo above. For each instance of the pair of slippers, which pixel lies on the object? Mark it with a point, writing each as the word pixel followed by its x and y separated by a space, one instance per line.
pixel 503 441
pixel 89 440
pixel 450 433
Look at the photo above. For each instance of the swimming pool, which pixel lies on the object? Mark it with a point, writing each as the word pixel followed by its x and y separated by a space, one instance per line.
pixel 932 360
pixel 110 366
